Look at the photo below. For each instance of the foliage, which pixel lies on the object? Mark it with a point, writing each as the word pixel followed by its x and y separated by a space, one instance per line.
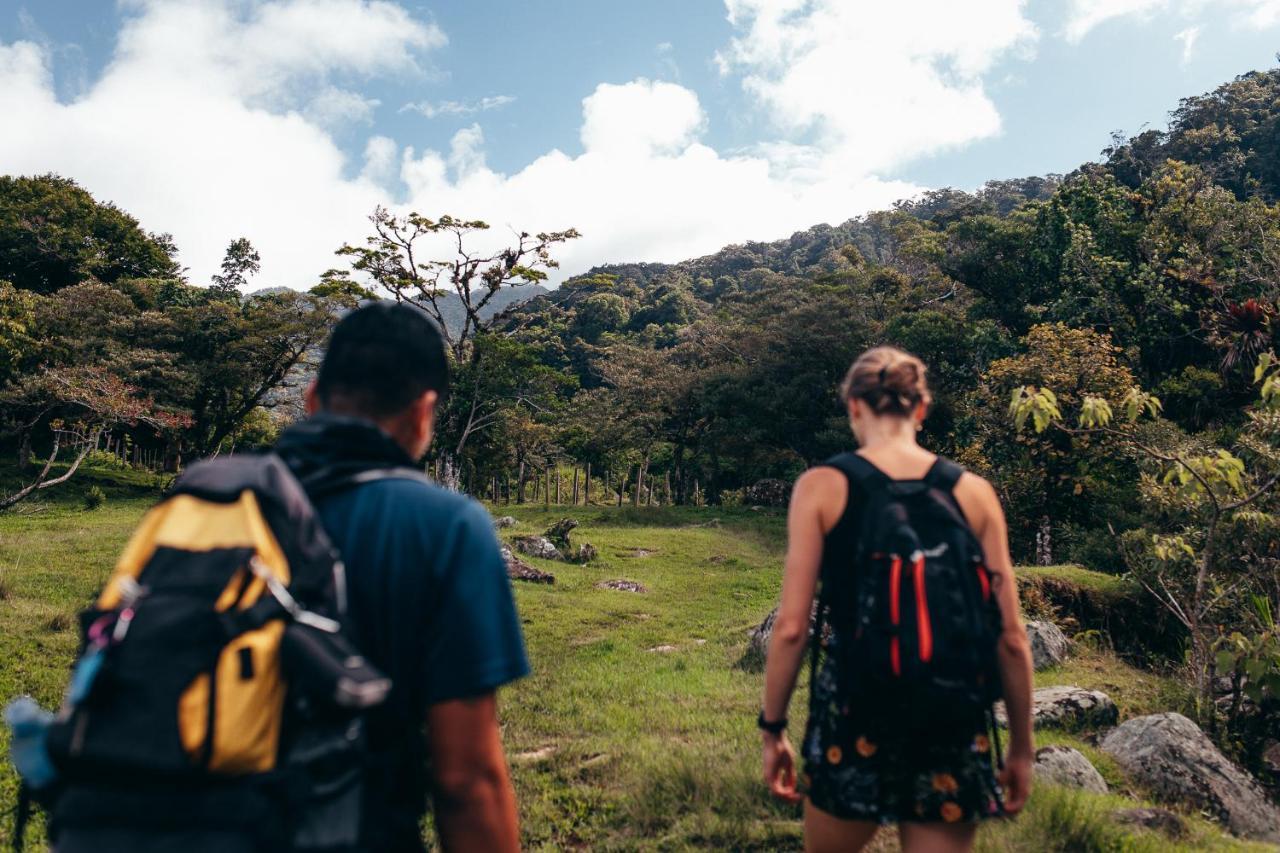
pixel 53 234
pixel 94 498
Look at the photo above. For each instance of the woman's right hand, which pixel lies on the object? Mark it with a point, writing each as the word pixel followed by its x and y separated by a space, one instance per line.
pixel 780 767
pixel 1015 779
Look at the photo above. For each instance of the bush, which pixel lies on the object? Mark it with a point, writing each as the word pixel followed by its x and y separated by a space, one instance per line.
pixel 94 498
pixel 769 492
pixel 105 461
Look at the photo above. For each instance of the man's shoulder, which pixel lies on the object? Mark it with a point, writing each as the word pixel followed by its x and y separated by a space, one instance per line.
pixel 426 501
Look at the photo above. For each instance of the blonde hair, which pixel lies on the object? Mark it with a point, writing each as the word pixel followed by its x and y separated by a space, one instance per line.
pixel 889 380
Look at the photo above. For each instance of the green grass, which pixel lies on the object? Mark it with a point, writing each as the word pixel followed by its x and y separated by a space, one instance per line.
pixel 613 746
pixel 1100 582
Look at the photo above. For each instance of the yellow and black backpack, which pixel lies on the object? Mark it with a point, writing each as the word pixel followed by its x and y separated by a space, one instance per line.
pixel 215 687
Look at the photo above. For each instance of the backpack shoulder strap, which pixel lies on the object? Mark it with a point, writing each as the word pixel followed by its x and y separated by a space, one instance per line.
pixel 868 477
pixel 944 475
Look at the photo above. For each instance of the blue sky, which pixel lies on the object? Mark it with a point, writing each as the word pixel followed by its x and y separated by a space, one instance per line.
pixel 661 129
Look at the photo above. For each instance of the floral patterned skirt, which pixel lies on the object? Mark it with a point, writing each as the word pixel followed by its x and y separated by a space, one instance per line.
pixel 854 774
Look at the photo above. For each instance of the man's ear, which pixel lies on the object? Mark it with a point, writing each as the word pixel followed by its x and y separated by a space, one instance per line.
pixel 311 400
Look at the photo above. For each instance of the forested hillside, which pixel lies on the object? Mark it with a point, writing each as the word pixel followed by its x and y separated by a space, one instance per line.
pixel 1128 309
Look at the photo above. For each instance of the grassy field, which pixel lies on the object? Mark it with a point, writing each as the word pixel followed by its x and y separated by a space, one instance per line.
pixel 636 730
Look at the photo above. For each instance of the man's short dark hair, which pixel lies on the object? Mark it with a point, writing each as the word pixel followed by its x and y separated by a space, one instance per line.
pixel 381 358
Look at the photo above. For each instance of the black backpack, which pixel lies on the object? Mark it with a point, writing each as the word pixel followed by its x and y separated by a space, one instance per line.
pixel 216 688
pixel 915 618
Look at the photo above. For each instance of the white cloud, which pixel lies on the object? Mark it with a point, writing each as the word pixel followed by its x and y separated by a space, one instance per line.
pixel 1087 14
pixel 1188 38
pixel 334 107
pixel 458 108
pixel 205 123
pixel 250 90
pixel 641 117
pixel 1084 15
pixel 875 84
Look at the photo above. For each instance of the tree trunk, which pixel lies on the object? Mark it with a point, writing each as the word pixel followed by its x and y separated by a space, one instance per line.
pixel 586 486
pixel 622 484
pixel 1044 543
pixel 575 484
pixel 24 451
pixel 520 484
pixel 546 491
pixel 557 485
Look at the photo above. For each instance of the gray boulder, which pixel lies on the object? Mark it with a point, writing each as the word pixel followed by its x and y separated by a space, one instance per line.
pixel 504 522
pixel 585 553
pixel 519 570
pixel 623 586
pixel 1048 644
pixel 559 532
pixel 1169 755
pixel 758 639
pixel 1157 820
pixel 1066 707
pixel 537 546
pixel 1062 765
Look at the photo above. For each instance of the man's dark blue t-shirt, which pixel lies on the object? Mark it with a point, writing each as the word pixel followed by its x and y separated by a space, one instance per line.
pixel 429 601
pixel 429 596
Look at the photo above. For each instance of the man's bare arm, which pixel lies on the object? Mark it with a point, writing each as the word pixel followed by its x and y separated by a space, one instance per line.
pixel 475 806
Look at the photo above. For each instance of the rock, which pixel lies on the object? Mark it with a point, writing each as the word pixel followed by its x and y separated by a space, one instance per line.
pixel 1066 707
pixel 638 553
pixel 662 650
pixel 1160 820
pixel 1048 644
pixel 1271 757
pixel 758 640
pixel 537 546
pixel 1169 755
pixel 533 756
pixel 622 586
pixel 519 570
pixel 586 553
pixel 505 522
pixel 559 532
pixel 1062 765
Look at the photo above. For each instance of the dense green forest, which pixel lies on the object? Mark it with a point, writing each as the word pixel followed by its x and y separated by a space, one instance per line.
pixel 1147 281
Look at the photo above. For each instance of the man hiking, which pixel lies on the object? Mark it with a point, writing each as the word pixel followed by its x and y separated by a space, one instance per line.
pixel 240 689
pixel 430 601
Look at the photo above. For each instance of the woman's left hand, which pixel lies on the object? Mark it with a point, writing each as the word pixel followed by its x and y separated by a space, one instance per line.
pixel 780 768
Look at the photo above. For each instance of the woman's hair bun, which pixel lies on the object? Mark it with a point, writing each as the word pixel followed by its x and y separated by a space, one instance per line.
pixel 890 381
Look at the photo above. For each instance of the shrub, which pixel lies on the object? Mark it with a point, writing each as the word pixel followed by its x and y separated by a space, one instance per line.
pixel 94 498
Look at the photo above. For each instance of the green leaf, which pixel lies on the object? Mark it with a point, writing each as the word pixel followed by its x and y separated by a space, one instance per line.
pixel 1225 662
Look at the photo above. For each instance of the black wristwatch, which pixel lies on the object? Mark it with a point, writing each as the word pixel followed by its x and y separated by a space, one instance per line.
pixel 776 727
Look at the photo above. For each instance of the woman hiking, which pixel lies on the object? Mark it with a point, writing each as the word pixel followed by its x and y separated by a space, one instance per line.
pixel 918 632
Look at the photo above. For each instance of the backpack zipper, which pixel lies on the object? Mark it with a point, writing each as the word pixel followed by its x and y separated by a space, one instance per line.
pixel 895 590
pixel 924 630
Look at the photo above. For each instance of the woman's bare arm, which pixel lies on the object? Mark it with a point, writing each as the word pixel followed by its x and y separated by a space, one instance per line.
pixel 819 496
pixel 807 524
pixel 982 506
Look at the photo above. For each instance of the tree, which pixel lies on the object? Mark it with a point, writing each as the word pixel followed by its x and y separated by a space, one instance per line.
pixel 393 258
pixel 235 356
pixel 54 234
pixel 1206 496
pixel 240 262
pixel 80 402
pixel 1052 482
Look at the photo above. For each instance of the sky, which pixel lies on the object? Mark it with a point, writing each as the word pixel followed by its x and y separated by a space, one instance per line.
pixel 660 129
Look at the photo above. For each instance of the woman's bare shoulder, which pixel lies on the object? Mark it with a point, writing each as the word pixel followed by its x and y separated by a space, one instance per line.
pixel 977 497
